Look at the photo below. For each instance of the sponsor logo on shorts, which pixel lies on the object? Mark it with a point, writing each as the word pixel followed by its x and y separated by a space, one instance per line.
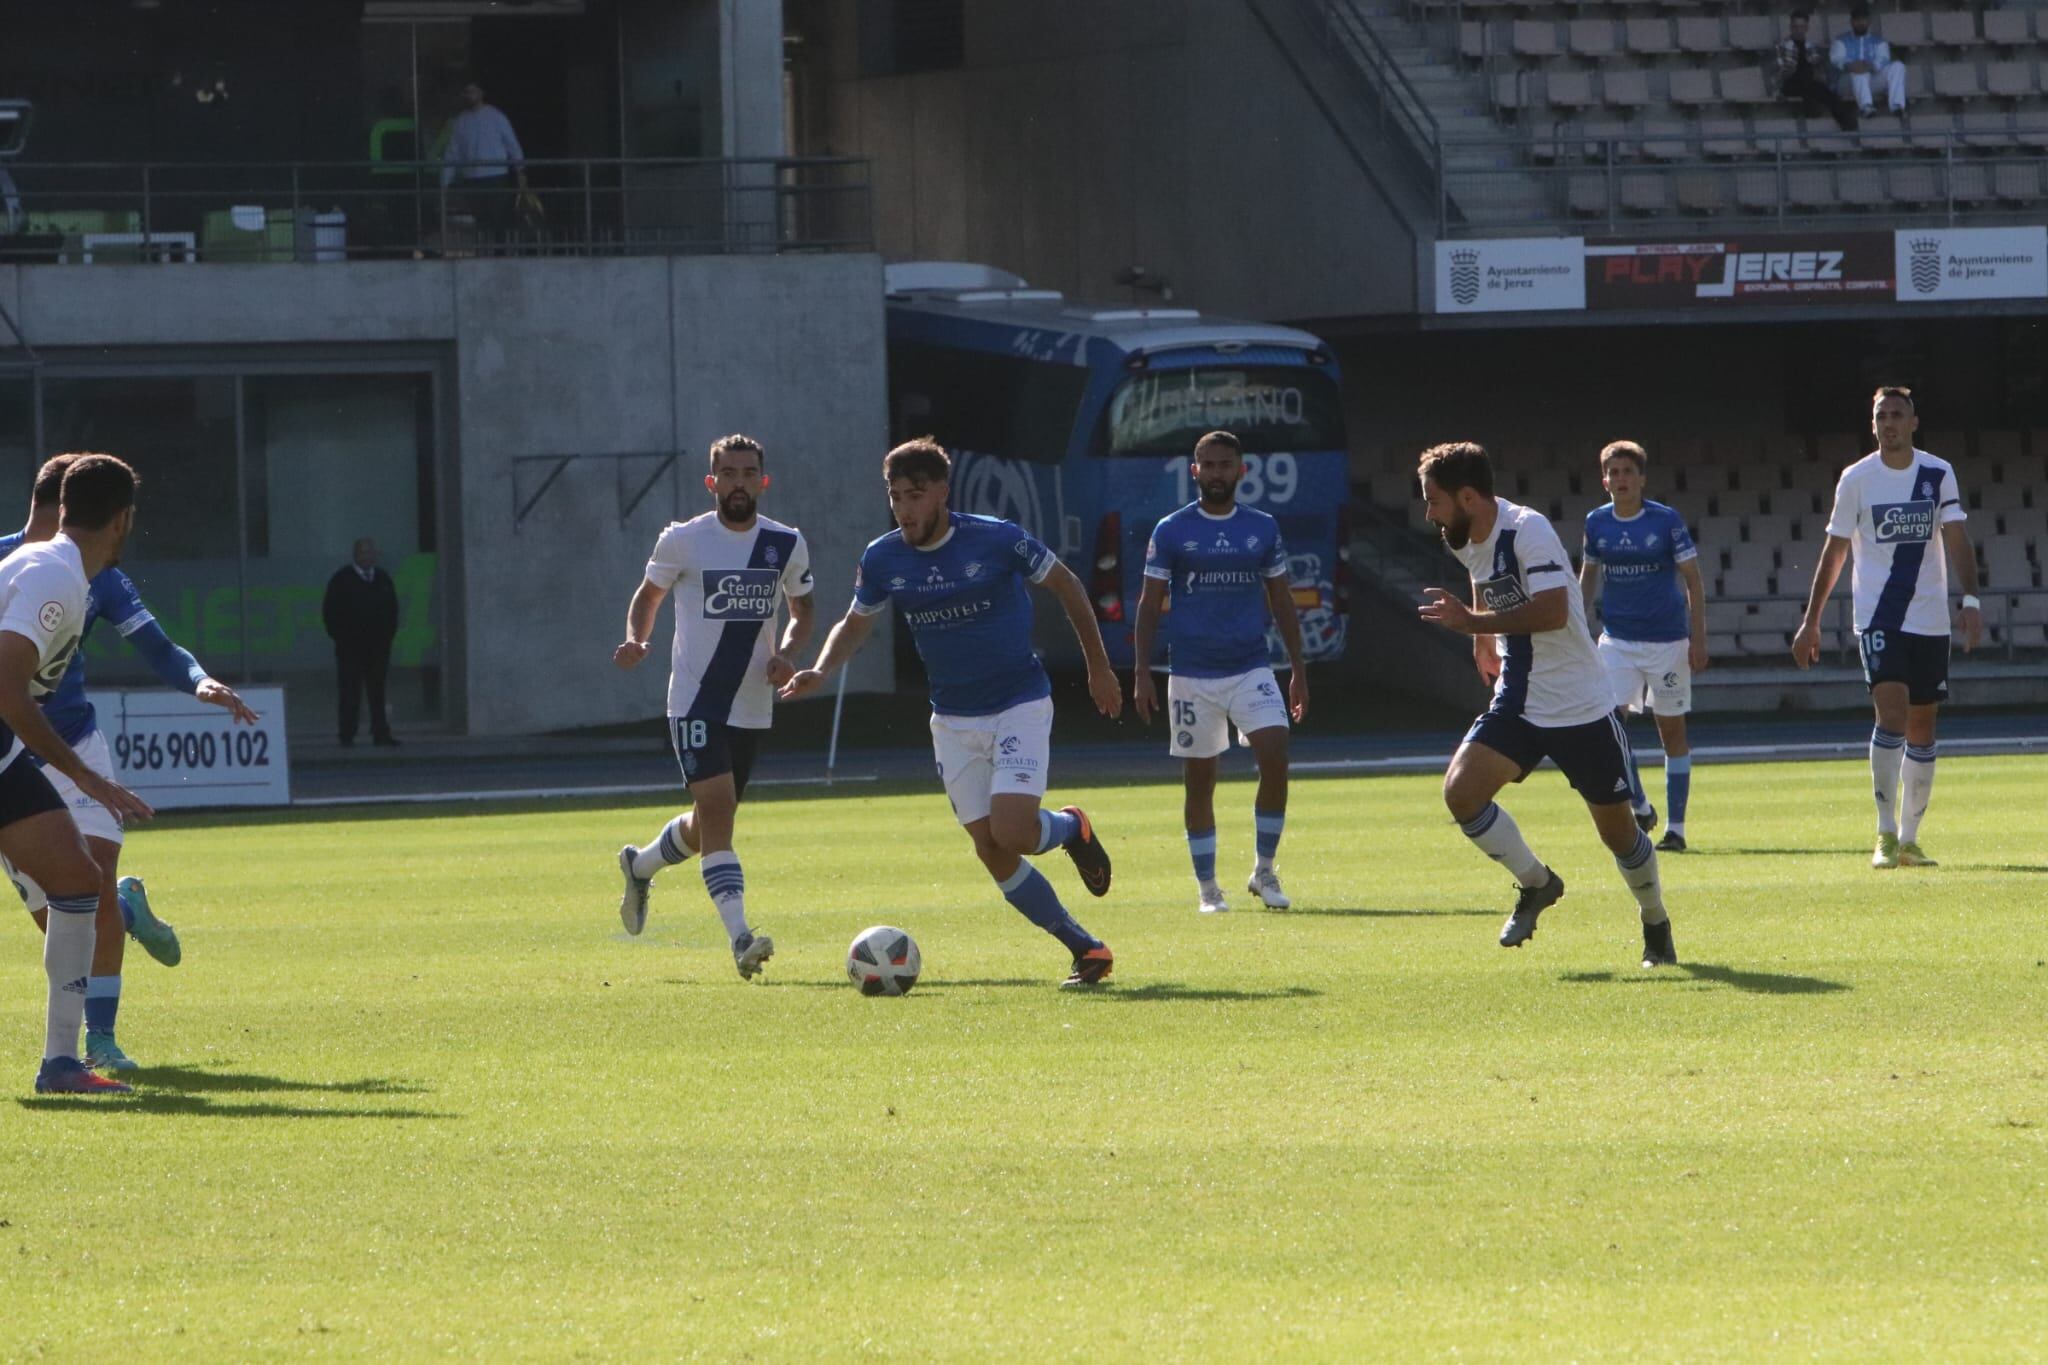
pixel 1671 678
pixel 1267 689
pixel 1903 521
pixel 1185 740
pixel 1009 744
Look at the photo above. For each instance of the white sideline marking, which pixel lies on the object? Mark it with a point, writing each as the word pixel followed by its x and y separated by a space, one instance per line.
pixel 1818 749
pixel 556 793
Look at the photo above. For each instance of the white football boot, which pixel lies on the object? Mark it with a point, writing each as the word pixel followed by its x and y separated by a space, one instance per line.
pixel 1266 886
pixel 1212 902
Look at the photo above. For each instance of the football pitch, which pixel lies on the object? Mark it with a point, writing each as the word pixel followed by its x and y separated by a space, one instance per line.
pixel 413 1092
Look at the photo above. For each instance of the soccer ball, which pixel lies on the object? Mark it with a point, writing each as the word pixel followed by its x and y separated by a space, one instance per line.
pixel 883 961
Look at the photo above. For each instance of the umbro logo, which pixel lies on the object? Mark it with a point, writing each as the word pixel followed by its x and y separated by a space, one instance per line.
pixel 899 581
pixel 1189 545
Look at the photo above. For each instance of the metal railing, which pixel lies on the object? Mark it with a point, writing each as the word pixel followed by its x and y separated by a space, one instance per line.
pixel 326 211
pixel 1570 175
pixel 1396 101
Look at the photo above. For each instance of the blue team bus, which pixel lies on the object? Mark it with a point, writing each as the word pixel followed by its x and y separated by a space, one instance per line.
pixel 1078 423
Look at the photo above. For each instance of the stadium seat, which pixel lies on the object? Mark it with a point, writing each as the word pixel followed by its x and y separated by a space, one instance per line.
pixel 1722 646
pixel 1569 89
pixel 1536 38
pixel 1756 33
pixel 1970 184
pixel 2030 128
pixel 2017 182
pixel 1700 35
pixel 1666 140
pixel 1795 565
pixel 1757 190
pixel 1778 136
pixel 1770 528
pixel 1702 193
pixel 1472 40
pixel 1952 28
pixel 1862 186
pixel 1725 137
pixel 1985 129
pixel 1591 37
pixel 1748 467
pixel 1916 185
pixel 1649 37
pixel 2007 28
pixel 2005 562
pixel 1606 140
pixel 1740 502
pixel 1906 29
pixel 2029 524
pixel 1392 488
pixel 1745 85
pixel 1952 446
pixel 1931 131
pixel 1586 195
pixel 1725 618
pixel 2009 80
pixel 1642 193
pixel 1958 80
pixel 1693 89
pixel 1998 445
pixel 1749 561
pixel 1882 133
pixel 1626 87
pixel 1810 189
pixel 1715 534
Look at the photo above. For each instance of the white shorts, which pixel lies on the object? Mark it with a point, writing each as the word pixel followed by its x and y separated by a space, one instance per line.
pixel 1660 669
pixel 1203 710
pixel 981 756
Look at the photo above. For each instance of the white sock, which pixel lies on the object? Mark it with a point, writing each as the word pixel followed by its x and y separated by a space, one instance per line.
pixel 1494 830
pixel 1639 870
pixel 1887 753
pixel 667 850
pixel 728 887
pixel 1915 787
pixel 67 961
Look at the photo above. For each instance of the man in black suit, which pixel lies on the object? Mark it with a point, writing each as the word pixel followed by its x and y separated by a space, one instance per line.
pixel 361 614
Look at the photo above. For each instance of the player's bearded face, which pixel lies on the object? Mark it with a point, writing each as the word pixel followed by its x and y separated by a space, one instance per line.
pixel 1442 508
pixel 736 505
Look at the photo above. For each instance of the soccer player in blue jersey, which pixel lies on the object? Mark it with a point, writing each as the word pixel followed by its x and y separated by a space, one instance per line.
pixel 1226 572
pixel 1653 626
pixel 1898 510
pixel 729 570
pixel 1551 698
pixel 958 582
pixel 124 901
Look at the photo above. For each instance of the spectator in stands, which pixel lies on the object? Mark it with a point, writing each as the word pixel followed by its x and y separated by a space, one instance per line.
pixel 1859 56
pixel 483 163
pixel 1802 65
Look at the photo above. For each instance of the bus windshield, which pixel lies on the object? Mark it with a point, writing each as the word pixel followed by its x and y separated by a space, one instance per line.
pixel 1268 407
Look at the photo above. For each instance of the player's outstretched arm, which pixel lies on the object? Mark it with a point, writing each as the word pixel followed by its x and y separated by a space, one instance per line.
pixel 1280 601
pixel 1144 692
pixel 1806 642
pixel 640 613
pixel 1550 609
pixel 842 642
pixel 174 664
pixel 19 659
pixel 796 638
pixel 1963 558
pixel 1103 687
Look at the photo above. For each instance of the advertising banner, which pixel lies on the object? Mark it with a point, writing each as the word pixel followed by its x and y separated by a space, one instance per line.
pixel 173 751
pixel 1511 274
pixel 1937 264
pixel 1734 271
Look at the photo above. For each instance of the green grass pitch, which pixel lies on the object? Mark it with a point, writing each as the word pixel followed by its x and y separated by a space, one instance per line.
pixel 412 1093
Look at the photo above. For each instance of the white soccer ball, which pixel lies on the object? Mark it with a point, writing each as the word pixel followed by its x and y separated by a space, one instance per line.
pixel 883 961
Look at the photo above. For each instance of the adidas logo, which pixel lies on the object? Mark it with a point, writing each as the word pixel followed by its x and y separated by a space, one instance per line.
pixel 1621 784
pixel 75 987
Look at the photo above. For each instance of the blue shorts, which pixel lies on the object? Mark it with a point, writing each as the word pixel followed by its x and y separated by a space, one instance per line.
pixel 711 748
pixel 1594 757
pixel 1918 661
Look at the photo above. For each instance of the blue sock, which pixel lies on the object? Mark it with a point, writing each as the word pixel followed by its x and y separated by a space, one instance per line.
pixel 1677 790
pixel 1033 896
pixel 1266 827
pixel 1055 827
pixel 1202 848
pixel 102 1003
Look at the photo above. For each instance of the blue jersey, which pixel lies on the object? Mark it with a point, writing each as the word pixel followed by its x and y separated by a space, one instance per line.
pixel 968 610
pixel 111 597
pixel 1215 570
pixel 1640 595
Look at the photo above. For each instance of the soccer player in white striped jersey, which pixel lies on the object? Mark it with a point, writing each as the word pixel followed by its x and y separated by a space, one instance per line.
pixel 1551 697
pixel 1891 507
pixel 729 569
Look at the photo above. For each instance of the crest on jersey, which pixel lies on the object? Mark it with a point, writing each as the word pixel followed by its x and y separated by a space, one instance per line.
pixel 51 615
pixel 1650 540
pixel 973 569
pixel 772 555
pixel 1251 542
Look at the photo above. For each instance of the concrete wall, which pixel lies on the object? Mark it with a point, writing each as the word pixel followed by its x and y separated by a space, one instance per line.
pixel 1079 139
pixel 563 356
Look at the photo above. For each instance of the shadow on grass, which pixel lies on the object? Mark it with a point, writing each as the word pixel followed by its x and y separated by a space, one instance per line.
pixel 1381 912
pixel 1176 990
pixel 1760 983
pixel 2001 867
pixel 1857 852
pixel 194 1079
pixel 198 1106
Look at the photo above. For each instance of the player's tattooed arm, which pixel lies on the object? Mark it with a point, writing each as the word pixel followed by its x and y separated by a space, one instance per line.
pixel 1144 692
pixel 640 615
pixel 1806 641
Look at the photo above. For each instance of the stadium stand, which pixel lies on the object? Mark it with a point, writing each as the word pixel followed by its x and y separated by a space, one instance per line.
pixel 1681 93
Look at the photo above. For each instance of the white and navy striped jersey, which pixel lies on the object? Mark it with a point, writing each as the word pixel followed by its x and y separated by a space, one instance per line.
pixel 1551 677
pixel 43 593
pixel 727 585
pixel 1892 519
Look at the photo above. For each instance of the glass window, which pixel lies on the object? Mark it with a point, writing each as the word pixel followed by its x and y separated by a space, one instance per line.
pixel 17 443
pixel 992 404
pixel 1268 407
